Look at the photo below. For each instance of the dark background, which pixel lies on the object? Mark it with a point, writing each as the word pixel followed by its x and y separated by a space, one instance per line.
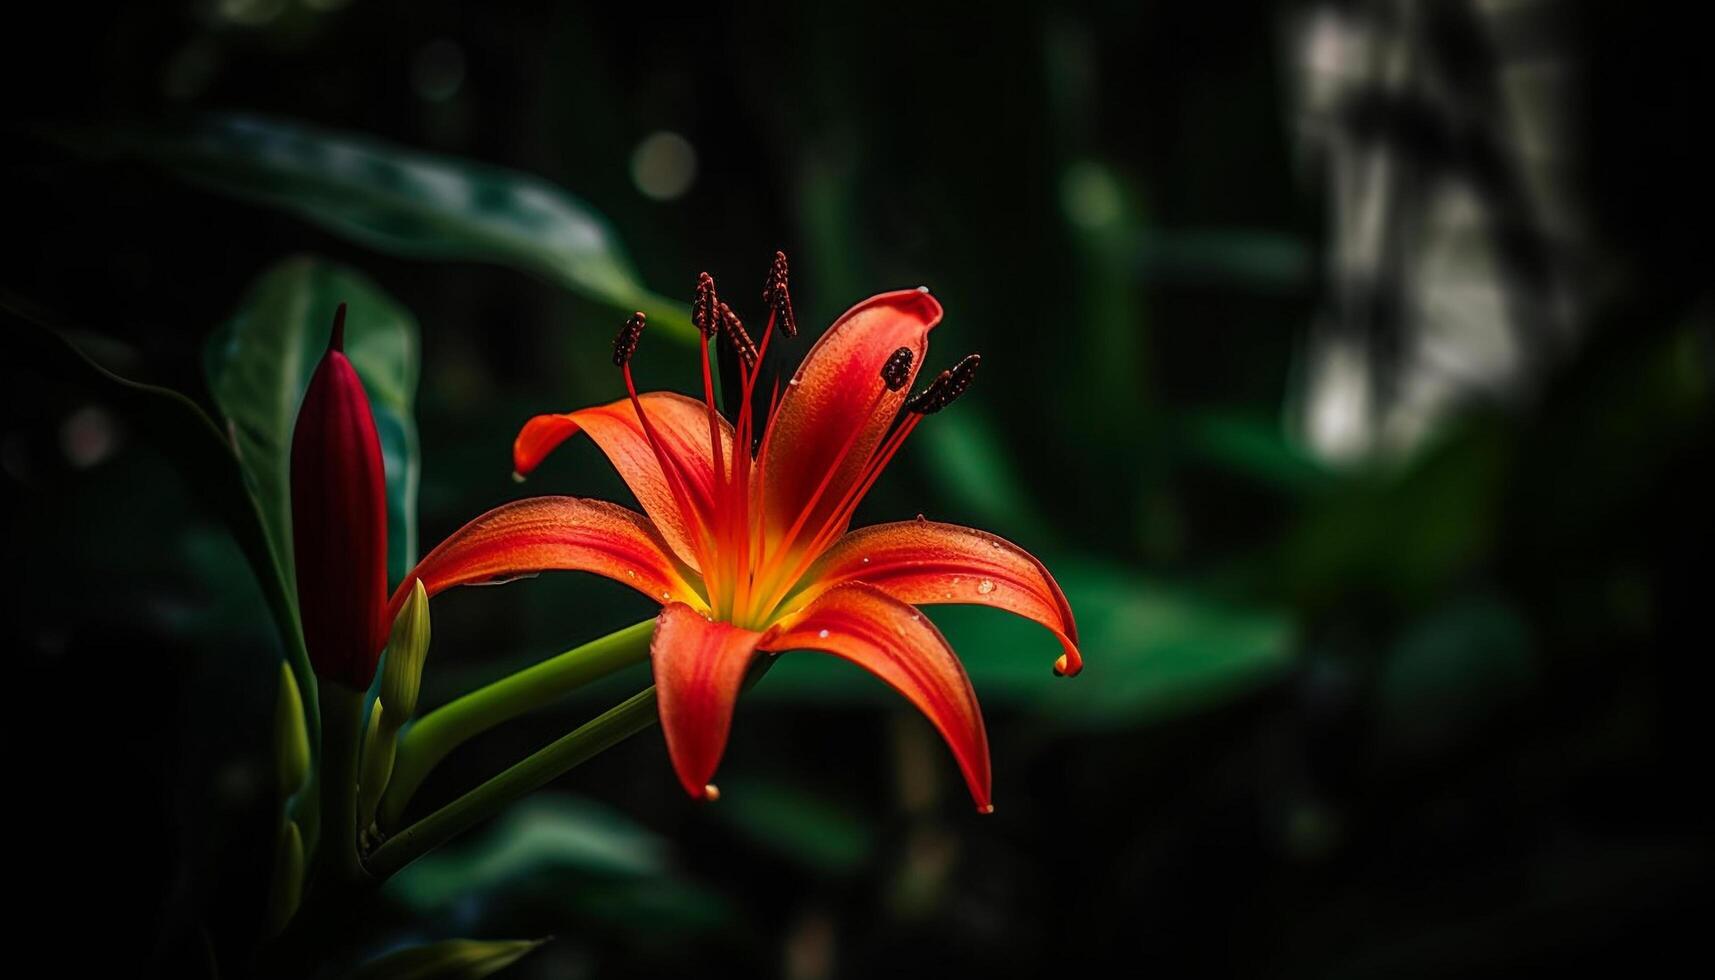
pixel 1429 702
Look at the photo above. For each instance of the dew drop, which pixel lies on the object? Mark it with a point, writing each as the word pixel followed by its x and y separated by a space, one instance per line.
pixel 822 633
pixel 663 595
pixel 630 574
pixel 985 587
pixel 866 560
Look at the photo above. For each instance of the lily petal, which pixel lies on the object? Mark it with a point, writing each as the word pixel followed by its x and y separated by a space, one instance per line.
pixel 837 399
pixel 541 534
pixel 681 423
pixel 893 641
pixel 699 667
pixel 927 563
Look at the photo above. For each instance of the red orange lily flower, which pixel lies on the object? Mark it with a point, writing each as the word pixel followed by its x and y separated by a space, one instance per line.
pixel 752 555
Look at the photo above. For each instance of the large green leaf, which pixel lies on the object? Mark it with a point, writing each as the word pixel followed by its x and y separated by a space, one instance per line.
pixel 544 834
pixel 409 203
pixel 260 362
pixel 1153 651
pixel 451 959
pixel 185 434
pixel 563 856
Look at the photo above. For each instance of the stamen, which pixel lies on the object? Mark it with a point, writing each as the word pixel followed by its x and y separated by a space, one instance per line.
pixel 946 388
pixel 740 338
pixel 624 346
pixel 705 312
pixel 778 297
pixel 625 343
pixel 897 371
pixel 919 402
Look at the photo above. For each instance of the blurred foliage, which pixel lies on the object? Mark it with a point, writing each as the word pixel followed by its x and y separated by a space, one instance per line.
pixel 1429 712
pixel 404 202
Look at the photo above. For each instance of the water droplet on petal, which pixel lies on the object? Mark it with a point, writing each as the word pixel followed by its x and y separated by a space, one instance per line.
pixel 663 595
pixel 866 560
pixel 985 587
pixel 822 633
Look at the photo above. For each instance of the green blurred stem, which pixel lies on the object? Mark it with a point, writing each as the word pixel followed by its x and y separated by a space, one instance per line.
pixel 548 763
pixel 342 736
pixel 425 742
pixel 609 729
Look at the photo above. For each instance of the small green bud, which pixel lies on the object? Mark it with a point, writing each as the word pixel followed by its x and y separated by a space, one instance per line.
pixel 291 738
pixel 288 886
pixel 407 648
pixel 379 746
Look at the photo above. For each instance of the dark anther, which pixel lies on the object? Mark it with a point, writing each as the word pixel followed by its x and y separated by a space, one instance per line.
pixel 897 371
pixel 705 308
pixel 778 297
pixel 946 388
pixel 740 338
pixel 625 343
pixel 929 401
pixel 964 373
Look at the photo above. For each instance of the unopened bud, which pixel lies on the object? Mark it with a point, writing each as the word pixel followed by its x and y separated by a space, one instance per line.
pixel 380 744
pixel 339 521
pixel 291 738
pixel 407 648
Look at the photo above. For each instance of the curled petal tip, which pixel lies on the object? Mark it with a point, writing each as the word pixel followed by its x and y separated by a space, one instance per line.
pixel 1065 666
pixel 986 808
pixel 711 793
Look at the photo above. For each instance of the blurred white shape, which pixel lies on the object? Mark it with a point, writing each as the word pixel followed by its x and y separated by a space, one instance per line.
pixel 664 165
pixel 1337 418
pixel 1455 234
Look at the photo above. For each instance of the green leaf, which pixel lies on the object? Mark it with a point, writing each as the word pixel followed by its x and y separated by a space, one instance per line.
pixel 405 202
pixel 452 959
pixel 259 363
pixel 187 437
pixel 1153 651
pixel 543 834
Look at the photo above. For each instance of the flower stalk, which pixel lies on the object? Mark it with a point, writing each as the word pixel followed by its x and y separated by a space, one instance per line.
pixel 426 741
pixel 541 767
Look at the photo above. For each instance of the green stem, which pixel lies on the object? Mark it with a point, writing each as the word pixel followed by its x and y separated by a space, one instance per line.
pixel 425 742
pixel 607 730
pixel 538 769
pixel 342 735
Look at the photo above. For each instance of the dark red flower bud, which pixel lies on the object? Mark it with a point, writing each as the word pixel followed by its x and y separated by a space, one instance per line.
pixel 339 521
